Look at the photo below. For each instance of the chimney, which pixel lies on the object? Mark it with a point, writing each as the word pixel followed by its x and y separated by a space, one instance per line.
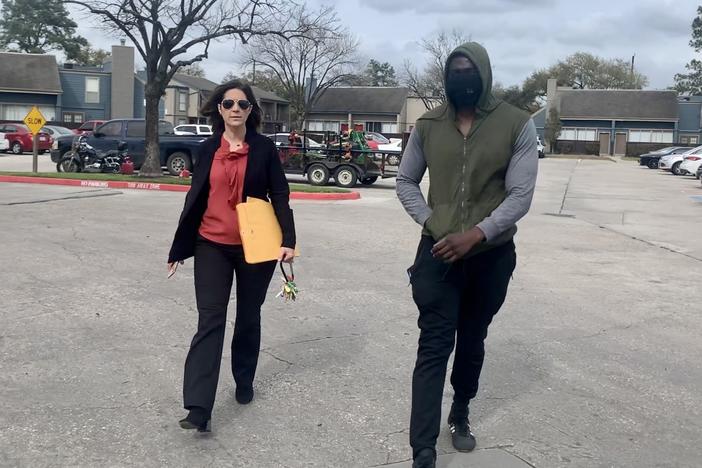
pixel 551 95
pixel 122 81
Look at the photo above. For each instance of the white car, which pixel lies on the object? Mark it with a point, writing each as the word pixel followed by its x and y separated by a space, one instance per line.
pixel 672 162
pixel 4 143
pixel 690 164
pixel 281 139
pixel 392 150
pixel 193 129
pixel 395 147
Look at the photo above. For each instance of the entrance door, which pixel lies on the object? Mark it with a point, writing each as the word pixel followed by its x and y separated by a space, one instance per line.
pixel 620 144
pixel 604 144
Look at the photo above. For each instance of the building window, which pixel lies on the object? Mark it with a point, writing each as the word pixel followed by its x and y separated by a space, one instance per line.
pixel 13 112
pixel 578 134
pixel 322 126
pixel 389 128
pixel 374 127
pixel 182 102
pixel 92 90
pixel 73 117
pixel 381 127
pixel 688 140
pixel 650 136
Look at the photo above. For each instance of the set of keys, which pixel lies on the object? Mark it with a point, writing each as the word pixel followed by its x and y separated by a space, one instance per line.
pixel 290 290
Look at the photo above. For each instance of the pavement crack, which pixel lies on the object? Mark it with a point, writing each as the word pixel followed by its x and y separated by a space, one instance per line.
pixel 48 200
pixel 649 243
pixel 517 456
pixel 265 351
pixel 323 338
pixel 180 304
pixel 565 193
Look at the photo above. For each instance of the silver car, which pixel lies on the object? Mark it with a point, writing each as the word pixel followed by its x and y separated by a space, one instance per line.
pixel 672 162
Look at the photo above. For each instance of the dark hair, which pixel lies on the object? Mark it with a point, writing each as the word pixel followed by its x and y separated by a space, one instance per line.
pixel 211 111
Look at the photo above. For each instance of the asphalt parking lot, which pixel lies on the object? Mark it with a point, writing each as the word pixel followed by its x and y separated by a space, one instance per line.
pixel 593 360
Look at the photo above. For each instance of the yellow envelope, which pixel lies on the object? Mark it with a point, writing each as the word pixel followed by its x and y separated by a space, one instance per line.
pixel 261 235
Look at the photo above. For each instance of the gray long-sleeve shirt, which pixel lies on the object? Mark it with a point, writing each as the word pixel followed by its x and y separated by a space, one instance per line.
pixel 520 181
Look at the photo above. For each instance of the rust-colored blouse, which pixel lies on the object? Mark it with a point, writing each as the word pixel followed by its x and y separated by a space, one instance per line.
pixel 220 223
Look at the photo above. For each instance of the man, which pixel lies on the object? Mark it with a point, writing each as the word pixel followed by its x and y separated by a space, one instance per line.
pixel 482 160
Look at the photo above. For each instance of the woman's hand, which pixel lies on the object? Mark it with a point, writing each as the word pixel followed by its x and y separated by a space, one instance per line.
pixel 286 255
pixel 172 267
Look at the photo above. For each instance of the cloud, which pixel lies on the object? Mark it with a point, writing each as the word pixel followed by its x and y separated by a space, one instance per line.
pixel 520 36
pixel 453 6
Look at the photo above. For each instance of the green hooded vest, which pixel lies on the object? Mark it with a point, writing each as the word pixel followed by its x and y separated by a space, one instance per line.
pixel 467 175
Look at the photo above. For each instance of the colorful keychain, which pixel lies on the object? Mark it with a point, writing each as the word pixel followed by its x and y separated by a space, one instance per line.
pixel 289 291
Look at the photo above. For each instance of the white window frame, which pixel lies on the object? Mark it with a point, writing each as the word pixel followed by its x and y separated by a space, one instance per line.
pixel 578 134
pixel 647 135
pixel 182 102
pixel 92 93
pixel 388 127
pixel 323 126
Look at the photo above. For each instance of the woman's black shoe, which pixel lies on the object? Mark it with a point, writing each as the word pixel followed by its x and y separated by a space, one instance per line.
pixel 196 420
pixel 244 394
pixel 426 458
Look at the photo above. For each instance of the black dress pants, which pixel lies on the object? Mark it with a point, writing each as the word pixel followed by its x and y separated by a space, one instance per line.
pixel 215 268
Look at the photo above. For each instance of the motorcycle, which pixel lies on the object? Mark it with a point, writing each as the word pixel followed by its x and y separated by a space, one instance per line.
pixel 82 157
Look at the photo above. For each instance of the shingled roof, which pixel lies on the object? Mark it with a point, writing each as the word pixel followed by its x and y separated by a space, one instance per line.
pixel 203 84
pixel 361 100
pixel 600 104
pixel 36 73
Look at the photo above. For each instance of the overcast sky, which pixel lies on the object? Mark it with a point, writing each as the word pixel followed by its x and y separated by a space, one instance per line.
pixel 520 36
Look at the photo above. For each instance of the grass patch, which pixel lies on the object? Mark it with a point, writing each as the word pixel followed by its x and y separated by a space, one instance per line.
pixel 155 180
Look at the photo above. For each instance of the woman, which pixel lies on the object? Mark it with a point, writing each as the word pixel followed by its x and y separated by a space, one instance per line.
pixel 236 162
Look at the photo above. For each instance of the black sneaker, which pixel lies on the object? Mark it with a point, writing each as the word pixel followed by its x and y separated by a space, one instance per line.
pixel 426 458
pixel 461 436
pixel 244 394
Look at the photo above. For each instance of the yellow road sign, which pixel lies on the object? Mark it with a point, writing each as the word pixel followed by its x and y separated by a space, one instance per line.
pixel 34 120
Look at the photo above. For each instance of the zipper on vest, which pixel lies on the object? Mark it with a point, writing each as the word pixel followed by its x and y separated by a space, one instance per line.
pixel 463 185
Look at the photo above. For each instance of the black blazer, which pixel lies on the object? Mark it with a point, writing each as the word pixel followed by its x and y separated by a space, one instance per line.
pixel 264 179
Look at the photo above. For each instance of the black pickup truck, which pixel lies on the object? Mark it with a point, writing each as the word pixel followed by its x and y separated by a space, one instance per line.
pixel 177 151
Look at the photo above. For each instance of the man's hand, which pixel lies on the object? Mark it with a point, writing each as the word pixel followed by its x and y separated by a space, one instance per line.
pixel 455 246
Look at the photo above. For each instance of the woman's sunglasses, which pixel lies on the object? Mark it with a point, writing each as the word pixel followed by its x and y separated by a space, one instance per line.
pixel 229 103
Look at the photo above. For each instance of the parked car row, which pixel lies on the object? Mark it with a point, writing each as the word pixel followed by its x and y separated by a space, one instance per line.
pixel 20 139
pixel 16 138
pixel 176 152
pixel 651 160
pixel 685 163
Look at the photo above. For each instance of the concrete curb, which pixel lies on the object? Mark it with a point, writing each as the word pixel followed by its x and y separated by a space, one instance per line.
pixel 118 184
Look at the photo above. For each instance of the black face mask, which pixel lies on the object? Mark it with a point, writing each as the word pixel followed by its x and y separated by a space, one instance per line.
pixel 464 87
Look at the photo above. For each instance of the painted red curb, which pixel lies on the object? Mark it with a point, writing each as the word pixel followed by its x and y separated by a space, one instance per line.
pixel 118 184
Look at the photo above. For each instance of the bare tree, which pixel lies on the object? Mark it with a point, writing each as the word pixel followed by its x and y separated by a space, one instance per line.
pixel 307 65
pixel 171 34
pixel 193 70
pixel 428 84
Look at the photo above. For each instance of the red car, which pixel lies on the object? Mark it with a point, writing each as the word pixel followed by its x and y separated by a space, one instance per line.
pixel 21 138
pixel 88 127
